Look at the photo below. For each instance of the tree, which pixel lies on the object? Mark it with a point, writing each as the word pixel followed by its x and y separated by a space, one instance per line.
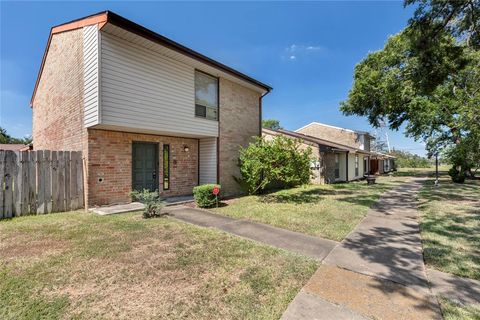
pixel 427 77
pixel 5 138
pixel 271 124
pixel 405 159
pixel 274 163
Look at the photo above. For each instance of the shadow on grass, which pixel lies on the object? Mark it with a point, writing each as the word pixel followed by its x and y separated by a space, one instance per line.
pixel 303 196
pixel 297 197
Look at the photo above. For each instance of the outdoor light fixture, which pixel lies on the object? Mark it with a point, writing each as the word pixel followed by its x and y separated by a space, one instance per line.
pixel 186 148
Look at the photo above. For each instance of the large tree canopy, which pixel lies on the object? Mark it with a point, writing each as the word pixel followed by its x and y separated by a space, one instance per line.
pixel 427 77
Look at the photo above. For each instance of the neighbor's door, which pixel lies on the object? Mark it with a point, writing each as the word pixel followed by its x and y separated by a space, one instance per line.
pixel 144 166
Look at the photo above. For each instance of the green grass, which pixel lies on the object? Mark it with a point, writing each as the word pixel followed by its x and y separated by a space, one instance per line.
pixel 453 311
pixel 450 226
pixel 83 266
pixel 327 211
pixel 422 172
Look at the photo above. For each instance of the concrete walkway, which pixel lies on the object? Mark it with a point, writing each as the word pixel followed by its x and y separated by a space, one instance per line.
pixel 458 289
pixel 377 271
pixel 314 247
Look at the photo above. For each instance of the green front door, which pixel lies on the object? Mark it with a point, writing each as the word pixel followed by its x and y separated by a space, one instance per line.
pixel 144 166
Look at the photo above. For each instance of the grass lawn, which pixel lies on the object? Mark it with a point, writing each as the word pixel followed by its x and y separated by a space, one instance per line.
pixel 453 311
pixel 84 266
pixel 327 211
pixel 450 226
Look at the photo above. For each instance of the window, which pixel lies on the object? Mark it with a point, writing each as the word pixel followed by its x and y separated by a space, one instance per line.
pixel 337 166
pixel 166 167
pixel 356 165
pixel 206 96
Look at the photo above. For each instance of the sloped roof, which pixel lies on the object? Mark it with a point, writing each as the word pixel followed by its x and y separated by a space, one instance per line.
pixel 337 128
pixel 334 145
pixel 14 147
pixel 105 17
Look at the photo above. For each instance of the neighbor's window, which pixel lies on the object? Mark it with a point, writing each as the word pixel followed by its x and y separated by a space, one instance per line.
pixel 166 167
pixel 206 96
pixel 337 166
pixel 356 165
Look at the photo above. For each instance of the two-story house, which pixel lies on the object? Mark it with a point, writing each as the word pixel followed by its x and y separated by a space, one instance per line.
pixel 145 111
pixel 350 164
pixel 329 163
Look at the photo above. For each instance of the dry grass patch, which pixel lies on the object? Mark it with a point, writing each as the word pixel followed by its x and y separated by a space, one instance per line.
pixel 125 267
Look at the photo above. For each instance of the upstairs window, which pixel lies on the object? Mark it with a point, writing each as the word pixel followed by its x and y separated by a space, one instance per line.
pixel 206 96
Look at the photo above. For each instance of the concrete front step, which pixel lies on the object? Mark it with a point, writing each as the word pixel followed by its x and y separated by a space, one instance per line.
pixel 137 206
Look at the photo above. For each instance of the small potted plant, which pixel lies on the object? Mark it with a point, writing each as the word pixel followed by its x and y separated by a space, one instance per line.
pixel 151 200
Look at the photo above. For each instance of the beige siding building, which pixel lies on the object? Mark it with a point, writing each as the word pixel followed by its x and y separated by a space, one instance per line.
pixel 362 161
pixel 332 162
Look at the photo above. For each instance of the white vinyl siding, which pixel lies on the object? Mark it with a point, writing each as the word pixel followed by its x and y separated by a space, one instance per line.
pixel 143 89
pixel 90 75
pixel 208 160
pixel 351 166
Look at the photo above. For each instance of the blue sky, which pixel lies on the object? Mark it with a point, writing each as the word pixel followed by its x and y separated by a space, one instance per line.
pixel 305 50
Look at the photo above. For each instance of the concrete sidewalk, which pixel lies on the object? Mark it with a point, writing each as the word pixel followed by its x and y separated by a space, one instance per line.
pixel 313 247
pixel 378 270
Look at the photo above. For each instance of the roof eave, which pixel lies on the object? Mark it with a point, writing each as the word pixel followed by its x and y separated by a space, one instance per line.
pixel 104 17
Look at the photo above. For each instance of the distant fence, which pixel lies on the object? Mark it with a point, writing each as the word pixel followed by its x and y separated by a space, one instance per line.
pixel 39 182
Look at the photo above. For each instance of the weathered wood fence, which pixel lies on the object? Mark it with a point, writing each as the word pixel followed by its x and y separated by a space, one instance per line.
pixel 38 182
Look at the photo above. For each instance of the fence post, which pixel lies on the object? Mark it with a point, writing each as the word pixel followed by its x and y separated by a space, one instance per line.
pixel 17 184
pixel 32 181
pixel 10 158
pixel 47 155
pixel 81 182
pixel 67 156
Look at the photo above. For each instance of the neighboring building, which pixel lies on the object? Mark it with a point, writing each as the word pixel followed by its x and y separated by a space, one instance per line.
pixel 15 147
pixel 329 163
pixel 355 139
pixel 360 140
pixel 145 111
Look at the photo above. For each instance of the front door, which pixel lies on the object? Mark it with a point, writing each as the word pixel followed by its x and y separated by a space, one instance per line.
pixel 144 166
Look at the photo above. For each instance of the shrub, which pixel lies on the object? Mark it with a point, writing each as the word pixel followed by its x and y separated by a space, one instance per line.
pixel 203 195
pixel 152 201
pixel 279 162
pixel 457 176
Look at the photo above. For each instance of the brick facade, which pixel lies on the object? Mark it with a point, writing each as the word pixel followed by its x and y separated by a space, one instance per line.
pixel 110 165
pixel 58 124
pixel 58 104
pixel 239 122
pixel 345 137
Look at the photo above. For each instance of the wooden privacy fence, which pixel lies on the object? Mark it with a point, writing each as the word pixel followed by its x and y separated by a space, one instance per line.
pixel 38 182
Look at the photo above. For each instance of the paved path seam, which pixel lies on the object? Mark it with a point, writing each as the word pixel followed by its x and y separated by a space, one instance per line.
pixel 310 246
pixel 377 271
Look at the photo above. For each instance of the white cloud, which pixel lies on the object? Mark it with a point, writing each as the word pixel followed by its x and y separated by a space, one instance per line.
pixel 299 51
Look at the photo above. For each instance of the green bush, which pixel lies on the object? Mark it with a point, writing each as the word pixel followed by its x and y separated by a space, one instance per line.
pixel 457 176
pixel 279 163
pixel 203 195
pixel 152 201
